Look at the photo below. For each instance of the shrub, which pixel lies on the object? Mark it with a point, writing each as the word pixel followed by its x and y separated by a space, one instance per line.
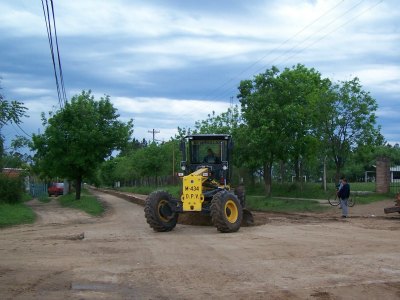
pixel 11 190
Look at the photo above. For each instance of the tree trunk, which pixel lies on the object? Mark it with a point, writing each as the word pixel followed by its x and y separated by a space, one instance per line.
pixel 78 187
pixel 268 178
pixel 282 170
pixel 337 175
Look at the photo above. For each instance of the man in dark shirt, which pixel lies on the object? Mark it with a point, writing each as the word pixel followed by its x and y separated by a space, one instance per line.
pixel 210 158
pixel 344 194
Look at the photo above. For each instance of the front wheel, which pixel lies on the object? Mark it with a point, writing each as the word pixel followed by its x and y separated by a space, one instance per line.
pixel 334 200
pixel 159 213
pixel 226 212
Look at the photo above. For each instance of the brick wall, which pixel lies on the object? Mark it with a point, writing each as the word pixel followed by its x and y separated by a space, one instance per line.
pixel 382 175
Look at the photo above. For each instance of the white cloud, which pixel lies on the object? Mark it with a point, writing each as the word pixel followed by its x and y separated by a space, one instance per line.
pixel 152 48
pixel 172 108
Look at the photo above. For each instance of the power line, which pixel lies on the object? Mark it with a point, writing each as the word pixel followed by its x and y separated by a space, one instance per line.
pixel 278 47
pixel 227 91
pixel 58 55
pixel 57 73
pixel 27 134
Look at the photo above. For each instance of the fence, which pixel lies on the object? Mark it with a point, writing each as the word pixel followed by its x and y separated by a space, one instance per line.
pixel 395 179
pixel 38 189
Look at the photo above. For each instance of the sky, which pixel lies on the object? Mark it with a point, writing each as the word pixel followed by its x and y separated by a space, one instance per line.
pixel 170 63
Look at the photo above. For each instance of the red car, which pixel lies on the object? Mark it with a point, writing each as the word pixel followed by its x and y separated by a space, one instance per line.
pixel 56 189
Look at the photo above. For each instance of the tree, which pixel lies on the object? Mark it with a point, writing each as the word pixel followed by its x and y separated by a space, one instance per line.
pixel 79 137
pixel 224 123
pixel 348 122
pixel 297 88
pixel 264 118
pixel 10 112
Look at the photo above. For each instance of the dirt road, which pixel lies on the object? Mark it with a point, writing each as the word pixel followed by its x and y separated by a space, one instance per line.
pixel 70 255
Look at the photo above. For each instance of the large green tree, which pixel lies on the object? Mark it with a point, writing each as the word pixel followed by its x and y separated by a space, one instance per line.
pixel 264 118
pixel 347 121
pixel 298 87
pixel 277 107
pixel 79 137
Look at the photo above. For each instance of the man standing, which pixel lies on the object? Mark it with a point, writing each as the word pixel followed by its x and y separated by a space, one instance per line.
pixel 344 194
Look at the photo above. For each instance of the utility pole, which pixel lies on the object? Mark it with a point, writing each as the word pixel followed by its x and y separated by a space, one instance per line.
pixel 154 133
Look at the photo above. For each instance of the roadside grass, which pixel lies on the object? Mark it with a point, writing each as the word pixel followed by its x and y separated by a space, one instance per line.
pixel 26 197
pixel 88 203
pixel 370 198
pixel 261 203
pixel 306 190
pixel 44 198
pixel 15 214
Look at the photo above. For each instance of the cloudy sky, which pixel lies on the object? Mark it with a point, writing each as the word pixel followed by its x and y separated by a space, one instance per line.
pixel 170 63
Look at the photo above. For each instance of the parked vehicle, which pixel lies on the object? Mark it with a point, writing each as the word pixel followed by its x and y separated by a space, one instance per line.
pixel 56 189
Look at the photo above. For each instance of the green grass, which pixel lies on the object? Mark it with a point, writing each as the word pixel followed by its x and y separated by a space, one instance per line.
pixel 282 205
pixel 370 198
pixel 87 203
pixel 14 214
pixel 26 197
pixel 307 190
pixel 44 198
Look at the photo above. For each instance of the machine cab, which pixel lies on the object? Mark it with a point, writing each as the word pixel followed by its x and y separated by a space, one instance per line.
pixel 207 150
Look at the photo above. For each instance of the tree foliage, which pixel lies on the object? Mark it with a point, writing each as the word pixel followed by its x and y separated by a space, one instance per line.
pixel 347 121
pixel 10 112
pixel 293 115
pixel 79 137
pixel 290 123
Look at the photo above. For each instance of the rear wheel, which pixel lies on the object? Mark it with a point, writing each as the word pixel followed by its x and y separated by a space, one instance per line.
pixel 334 200
pixel 159 213
pixel 226 212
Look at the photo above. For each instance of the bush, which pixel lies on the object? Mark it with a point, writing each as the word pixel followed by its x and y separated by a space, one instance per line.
pixel 11 190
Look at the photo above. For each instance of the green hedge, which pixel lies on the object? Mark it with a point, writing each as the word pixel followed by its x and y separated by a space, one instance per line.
pixel 11 189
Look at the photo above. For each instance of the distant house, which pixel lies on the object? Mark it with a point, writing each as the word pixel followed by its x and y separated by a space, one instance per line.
pixel 16 172
pixel 12 172
pixel 395 174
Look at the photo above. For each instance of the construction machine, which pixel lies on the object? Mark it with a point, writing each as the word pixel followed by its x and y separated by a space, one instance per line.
pixel 206 173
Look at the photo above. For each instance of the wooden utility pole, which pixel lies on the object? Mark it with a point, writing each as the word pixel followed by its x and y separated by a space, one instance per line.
pixel 154 133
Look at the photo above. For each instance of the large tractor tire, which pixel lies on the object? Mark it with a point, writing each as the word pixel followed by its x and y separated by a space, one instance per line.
pixel 159 213
pixel 226 212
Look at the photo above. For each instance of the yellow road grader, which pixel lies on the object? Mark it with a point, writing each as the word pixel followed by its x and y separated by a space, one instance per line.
pixel 206 187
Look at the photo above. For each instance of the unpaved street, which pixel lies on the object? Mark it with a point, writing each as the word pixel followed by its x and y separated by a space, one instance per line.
pixel 68 254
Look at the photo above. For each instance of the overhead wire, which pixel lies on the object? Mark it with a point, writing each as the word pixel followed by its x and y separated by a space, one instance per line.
pixel 225 92
pixel 335 29
pixel 279 46
pixel 57 73
pixel 58 55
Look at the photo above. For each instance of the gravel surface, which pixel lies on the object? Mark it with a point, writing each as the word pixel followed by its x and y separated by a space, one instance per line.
pixel 67 254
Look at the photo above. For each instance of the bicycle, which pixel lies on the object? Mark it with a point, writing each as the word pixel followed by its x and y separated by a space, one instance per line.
pixel 335 201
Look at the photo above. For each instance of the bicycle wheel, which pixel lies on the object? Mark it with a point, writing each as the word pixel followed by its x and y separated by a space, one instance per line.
pixel 351 201
pixel 334 200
